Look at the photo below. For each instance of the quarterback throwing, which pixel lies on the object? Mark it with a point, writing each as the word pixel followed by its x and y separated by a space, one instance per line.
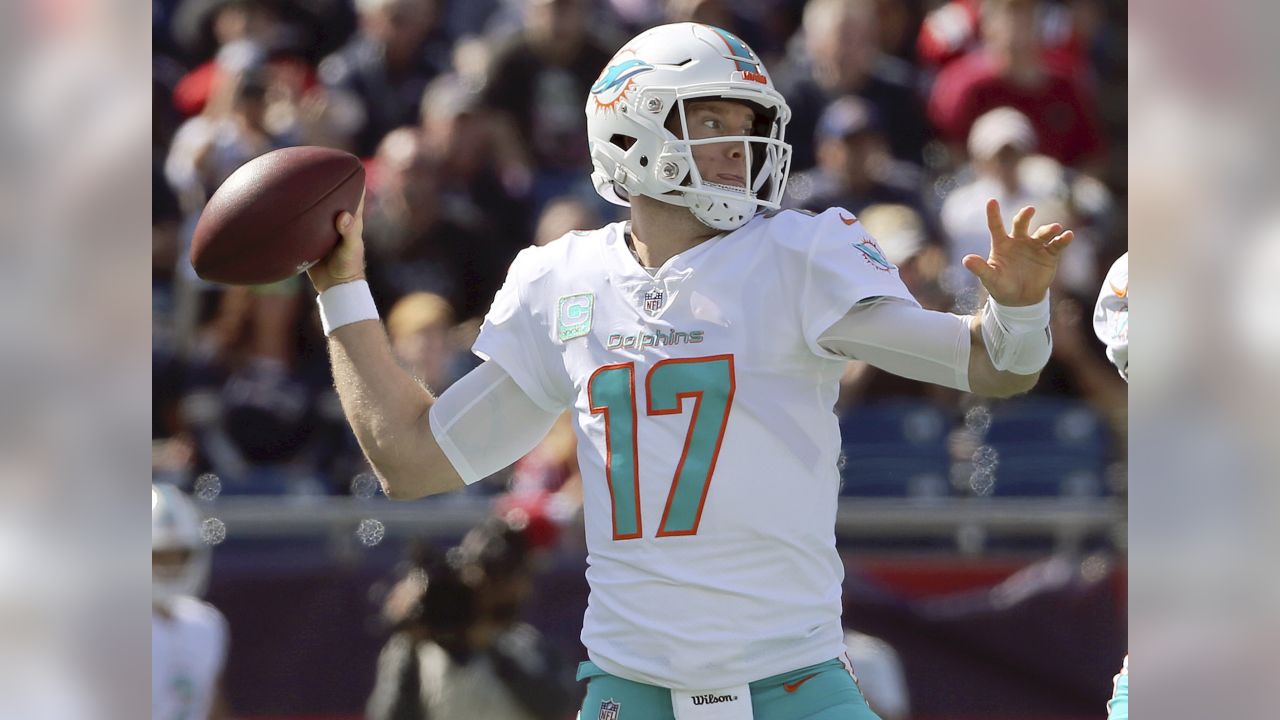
pixel 698 346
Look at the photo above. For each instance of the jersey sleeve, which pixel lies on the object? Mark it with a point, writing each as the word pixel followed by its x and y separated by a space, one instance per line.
pixel 485 421
pixel 1111 315
pixel 511 337
pixel 832 263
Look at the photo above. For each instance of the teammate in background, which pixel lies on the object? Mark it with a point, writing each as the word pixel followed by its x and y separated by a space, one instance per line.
pixel 1111 324
pixel 459 650
pixel 698 347
pixel 188 636
pixel 1111 315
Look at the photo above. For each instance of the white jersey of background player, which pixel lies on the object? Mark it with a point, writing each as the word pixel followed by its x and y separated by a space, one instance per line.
pixel 188 636
pixel 698 347
pixel 1111 314
pixel 1111 325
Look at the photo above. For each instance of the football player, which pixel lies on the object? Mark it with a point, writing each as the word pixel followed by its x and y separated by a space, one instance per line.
pixel 1111 315
pixel 1111 325
pixel 188 635
pixel 698 346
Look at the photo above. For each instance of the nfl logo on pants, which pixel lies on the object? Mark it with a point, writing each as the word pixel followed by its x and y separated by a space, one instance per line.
pixel 609 710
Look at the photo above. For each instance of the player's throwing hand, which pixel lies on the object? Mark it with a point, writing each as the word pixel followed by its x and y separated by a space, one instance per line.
pixel 346 262
pixel 1021 265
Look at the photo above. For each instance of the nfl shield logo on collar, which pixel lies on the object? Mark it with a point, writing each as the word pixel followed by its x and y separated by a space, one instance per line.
pixel 609 709
pixel 653 300
pixel 573 315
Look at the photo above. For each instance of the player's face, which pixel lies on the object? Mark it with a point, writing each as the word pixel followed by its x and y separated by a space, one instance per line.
pixel 722 163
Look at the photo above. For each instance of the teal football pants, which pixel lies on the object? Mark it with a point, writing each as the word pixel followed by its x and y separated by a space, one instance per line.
pixel 1118 708
pixel 824 691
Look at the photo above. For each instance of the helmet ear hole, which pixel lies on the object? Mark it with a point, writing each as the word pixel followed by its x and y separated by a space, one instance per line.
pixel 623 141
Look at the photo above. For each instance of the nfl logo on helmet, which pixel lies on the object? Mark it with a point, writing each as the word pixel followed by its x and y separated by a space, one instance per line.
pixel 609 710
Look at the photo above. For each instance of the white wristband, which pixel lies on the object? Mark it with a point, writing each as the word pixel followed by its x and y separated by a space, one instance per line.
pixel 1018 320
pixel 344 304
pixel 1017 338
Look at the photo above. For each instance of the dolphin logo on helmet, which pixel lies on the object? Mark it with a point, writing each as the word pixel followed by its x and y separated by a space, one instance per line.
pixel 614 82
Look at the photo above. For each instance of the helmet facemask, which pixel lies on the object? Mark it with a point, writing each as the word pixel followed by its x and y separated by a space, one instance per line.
pixel 722 205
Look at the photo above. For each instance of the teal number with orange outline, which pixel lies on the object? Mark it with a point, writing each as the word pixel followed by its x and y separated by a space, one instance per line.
pixel 709 382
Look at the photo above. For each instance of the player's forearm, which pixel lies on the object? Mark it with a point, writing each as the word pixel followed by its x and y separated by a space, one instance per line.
pixel 387 411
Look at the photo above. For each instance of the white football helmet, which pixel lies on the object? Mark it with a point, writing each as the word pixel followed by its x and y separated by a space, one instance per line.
pixel 633 152
pixel 176 525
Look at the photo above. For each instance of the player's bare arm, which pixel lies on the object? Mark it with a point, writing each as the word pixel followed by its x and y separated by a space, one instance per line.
pixel 386 407
pixel 1017 274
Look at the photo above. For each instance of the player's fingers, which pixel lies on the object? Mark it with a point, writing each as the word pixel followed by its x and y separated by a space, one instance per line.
pixel 1022 221
pixel 1060 243
pixel 994 223
pixel 1045 232
pixel 347 223
pixel 344 221
pixel 976 265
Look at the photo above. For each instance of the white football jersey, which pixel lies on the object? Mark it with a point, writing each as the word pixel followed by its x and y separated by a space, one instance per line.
pixel 706 436
pixel 1111 314
pixel 188 651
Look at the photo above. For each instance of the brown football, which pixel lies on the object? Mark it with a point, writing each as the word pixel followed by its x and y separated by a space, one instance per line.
pixel 274 217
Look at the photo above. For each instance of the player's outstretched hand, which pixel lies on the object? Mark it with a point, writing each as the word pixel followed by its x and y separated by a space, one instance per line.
pixel 1021 265
pixel 346 261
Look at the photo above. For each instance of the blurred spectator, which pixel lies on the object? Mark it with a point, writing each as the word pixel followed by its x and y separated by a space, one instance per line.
pixel 399 47
pixel 189 637
pixel 1010 70
pixel 216 29
pixel 563 215
pixel 538 85
pixel 1065 29
pixel 840 55
pixel 898 21
pixel 458 650
pixel 1080 202
pixel 998 143
pixel 880 675
pixel 904 237
pixel 305 28
pixel 255 418
pixel 855 168
pixel 231 130
pixel 418 327
pixel 412 246
pixel 547 481
pixel 1003 167
pixel 458 134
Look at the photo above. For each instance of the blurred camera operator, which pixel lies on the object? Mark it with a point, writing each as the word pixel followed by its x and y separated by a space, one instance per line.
pixel 458 650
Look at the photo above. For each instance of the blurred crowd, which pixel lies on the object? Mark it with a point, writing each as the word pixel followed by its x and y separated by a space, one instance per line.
pixel 469 119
